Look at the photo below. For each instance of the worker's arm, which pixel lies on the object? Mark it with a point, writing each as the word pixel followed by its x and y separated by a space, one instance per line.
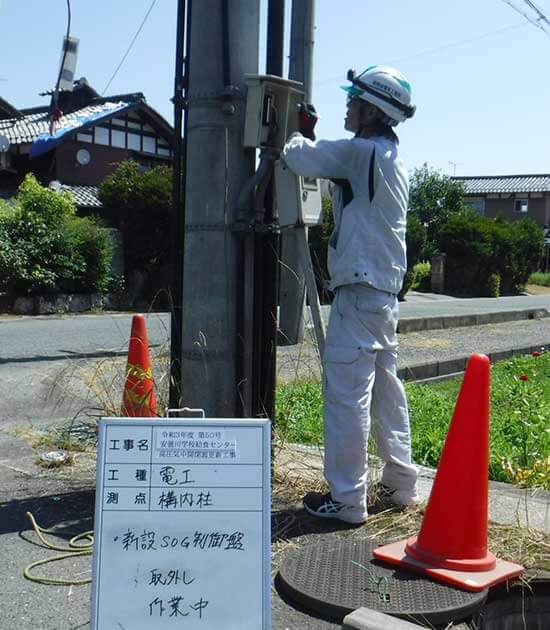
pixel 325 158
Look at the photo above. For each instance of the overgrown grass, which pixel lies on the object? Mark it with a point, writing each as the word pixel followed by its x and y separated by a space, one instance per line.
pixel 520 418
pixel 542 279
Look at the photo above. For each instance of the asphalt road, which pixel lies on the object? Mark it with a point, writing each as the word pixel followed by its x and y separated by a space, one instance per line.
pixel 47 363
pixel 46 338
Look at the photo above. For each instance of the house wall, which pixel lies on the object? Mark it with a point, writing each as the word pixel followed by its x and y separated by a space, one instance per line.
pixel 538 210
pixel 103 161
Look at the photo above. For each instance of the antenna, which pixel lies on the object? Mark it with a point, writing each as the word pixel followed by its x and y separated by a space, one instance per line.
pixel 454 165
pixel 69 55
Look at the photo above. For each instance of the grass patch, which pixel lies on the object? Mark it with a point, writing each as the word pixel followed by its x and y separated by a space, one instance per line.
pixel 539 278
pixel 520 419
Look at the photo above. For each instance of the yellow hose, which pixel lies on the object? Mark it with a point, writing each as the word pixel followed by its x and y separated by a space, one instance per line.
pixel 73 550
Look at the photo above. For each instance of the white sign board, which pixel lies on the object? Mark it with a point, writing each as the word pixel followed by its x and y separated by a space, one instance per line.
pixel 182 525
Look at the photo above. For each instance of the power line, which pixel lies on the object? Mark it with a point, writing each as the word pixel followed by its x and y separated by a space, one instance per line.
pixel 528 17
pixel 129 47
pixel 542 17
pixel 476 38
pixel 432 51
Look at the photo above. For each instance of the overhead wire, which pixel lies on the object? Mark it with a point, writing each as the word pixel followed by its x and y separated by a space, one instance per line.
pixel 541 15
pixel 528 17
pixel 433 51
pixel 461 42
pixel 129 47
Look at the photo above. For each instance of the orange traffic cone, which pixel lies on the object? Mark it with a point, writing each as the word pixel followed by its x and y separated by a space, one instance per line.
pixel 452 543
pixel 139 398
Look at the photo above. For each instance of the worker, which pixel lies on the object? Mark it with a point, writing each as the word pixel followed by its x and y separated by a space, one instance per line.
pixel 366 264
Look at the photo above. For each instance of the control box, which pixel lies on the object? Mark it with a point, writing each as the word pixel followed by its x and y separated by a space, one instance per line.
pixel 271 101
pixel 298 198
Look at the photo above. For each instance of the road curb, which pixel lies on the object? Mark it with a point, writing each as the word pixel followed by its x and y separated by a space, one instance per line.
pixel 439 370
pixel 416 324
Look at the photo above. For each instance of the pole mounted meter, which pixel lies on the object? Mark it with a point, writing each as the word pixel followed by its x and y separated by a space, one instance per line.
pixel 272 115
pixel 272 103
pixel 298 198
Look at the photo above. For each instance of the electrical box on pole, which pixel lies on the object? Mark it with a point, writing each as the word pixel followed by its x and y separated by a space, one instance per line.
pixel 298 199
pixel 272 115
pixel 270 96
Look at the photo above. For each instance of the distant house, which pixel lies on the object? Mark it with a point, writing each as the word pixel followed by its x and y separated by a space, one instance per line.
pixel 91 137
pixel 510 196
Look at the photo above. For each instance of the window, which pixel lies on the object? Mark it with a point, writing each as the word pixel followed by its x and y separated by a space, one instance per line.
pixel 134 124
pixel 118 138
pixel 163 151
pixel 521 205
pixel 476 203
pixel 101 135
pixel 134 141
pixel 85 137
pixel 148 144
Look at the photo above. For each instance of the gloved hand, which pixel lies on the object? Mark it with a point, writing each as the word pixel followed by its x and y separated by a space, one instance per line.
pixel 308 120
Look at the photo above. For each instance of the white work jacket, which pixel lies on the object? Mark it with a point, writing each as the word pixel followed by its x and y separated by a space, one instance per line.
pixel 368 242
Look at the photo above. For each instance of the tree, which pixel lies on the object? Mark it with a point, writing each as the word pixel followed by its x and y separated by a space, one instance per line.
pixel 139 203
pixel 434 197
pixel 44 246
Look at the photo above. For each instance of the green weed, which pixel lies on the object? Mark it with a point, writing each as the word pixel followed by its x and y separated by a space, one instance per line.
pixel 542 279
pixel 520 418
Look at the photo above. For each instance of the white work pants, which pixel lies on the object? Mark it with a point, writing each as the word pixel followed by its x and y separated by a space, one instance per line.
pixel 360 380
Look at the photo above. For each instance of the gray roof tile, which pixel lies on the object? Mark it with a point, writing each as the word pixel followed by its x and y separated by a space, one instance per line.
pixel 84 196
pixel 505 184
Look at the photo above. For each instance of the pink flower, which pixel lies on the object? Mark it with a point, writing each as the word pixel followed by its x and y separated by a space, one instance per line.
pixel 535 354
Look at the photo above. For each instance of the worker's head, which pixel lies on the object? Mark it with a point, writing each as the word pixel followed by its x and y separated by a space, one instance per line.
pixel 379 94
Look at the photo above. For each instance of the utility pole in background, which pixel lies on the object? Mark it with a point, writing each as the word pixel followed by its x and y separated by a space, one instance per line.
pixel 292 285
pixel 224 43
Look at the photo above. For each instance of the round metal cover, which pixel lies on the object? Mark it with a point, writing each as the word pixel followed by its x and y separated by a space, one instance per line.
pixel 333 580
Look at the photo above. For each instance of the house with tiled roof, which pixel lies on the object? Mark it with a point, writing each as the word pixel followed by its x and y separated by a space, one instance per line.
pixel 510 196
pixel 93 134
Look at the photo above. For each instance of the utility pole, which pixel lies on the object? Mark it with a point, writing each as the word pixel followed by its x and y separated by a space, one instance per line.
pixel 292 291
pixel 223 48
pixel 454 165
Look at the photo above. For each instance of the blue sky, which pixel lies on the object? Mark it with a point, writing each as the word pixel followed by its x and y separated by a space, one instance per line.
pixel 483 105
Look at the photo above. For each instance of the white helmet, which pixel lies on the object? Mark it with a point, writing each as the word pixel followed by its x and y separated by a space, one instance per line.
pixel 384 87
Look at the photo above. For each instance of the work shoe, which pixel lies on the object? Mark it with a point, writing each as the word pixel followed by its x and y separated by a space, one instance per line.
pixel 397 498
pixel 323 506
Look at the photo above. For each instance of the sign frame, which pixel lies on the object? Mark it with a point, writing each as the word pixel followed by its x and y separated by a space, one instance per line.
pixel 219 424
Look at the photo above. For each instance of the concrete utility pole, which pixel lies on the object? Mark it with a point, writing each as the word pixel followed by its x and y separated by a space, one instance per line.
pixel 223 47
pixel 293 288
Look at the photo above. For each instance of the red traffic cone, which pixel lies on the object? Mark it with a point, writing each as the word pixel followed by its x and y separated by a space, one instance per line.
pixel 452 543
pixel 139 398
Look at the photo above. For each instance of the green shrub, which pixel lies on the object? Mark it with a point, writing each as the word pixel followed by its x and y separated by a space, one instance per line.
pixel 478 247
pixel 92 253
pixel 416 242
pixel 139 203
pixel 493 285
pixel 422 276
pixel 539 278
pixel 45 247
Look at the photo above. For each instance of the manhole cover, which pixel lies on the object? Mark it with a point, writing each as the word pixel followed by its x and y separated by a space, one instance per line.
pixel 332 580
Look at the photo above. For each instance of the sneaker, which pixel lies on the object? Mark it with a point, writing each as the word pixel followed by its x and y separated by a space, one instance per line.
pixel 323 506
pixel 397 498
